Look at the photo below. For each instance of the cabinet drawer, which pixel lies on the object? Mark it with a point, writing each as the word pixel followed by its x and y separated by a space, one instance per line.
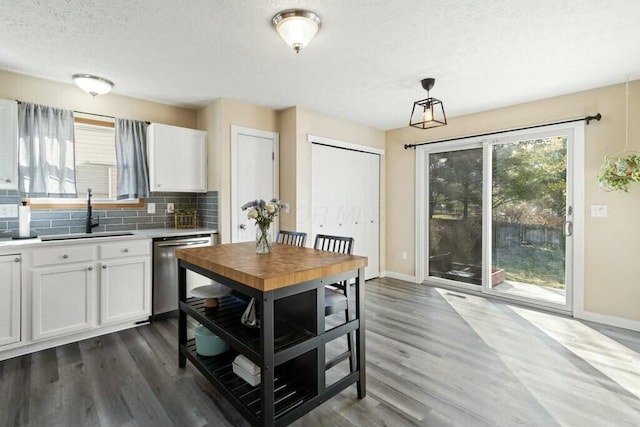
pixel 63 255
pixel 125 249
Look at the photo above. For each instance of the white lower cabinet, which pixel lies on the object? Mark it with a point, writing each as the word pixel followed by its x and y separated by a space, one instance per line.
pixel 83 287
pixel 125 291
pixel 125 281
pixel 10 288
pixel 63 300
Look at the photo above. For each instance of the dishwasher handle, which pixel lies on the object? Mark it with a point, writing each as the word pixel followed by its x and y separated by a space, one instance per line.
pixel 183 243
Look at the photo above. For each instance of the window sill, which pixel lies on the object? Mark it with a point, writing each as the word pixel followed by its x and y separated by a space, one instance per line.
pixel 77 204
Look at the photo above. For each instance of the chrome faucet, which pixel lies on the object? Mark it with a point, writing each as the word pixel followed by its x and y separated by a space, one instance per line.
pixel 90 224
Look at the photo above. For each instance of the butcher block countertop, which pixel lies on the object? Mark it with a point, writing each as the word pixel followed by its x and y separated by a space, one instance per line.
pixel 286 265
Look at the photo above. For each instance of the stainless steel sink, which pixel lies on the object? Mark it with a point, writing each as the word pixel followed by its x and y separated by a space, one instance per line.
pixel 85 235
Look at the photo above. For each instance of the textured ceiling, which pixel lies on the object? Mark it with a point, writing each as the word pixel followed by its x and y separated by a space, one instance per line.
pixel 365 65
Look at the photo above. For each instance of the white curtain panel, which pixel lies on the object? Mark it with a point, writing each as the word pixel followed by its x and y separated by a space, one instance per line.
pixel 46 157
pixel 131 159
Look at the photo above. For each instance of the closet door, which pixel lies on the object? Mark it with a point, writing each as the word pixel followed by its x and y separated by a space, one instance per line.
pixel 371 215
pixel 327 199
pixel 345 199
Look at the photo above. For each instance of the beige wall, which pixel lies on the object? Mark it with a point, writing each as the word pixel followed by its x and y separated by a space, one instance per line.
pixel 217 119
pixel 611 244
pixel 69 96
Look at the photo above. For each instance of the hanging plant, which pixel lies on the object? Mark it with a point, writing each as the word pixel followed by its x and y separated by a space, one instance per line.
pixel 618 171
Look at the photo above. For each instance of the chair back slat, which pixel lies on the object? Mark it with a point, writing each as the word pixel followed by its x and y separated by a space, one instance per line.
pixel 340 244
pixel 294 238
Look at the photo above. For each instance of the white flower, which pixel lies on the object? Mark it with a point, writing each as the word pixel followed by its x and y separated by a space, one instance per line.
pixel 252 214
pixel 271 207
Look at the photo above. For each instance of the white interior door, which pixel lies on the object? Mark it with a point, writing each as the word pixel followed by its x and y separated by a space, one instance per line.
pixel 345 190
pixel 254 176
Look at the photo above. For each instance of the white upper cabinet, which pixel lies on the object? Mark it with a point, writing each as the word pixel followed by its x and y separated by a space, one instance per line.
pixel 8 144
pixel 177 158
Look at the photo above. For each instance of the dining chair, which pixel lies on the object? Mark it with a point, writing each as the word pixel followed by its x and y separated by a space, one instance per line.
pixel 336 295
pixel 295 238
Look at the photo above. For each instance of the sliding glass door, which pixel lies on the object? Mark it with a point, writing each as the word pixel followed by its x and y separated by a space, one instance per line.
pixel 455 215
pixel 530 218
pixel 497 216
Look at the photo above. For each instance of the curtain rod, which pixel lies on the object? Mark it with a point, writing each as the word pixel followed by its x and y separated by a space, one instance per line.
pixel 587 119
pixel 91 114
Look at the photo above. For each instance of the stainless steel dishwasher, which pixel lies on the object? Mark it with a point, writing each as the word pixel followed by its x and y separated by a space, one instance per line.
pixel 165 271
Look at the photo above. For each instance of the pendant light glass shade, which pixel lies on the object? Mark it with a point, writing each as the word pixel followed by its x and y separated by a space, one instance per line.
pixel 93 84
pixel 428 113
pixel 297 27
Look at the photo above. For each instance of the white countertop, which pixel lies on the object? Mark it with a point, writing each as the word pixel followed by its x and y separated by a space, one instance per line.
pixel 7 243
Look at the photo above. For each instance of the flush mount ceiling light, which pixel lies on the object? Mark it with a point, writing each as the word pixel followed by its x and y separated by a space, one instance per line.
pixel 297 27
pixel 93 84
pixel 428 113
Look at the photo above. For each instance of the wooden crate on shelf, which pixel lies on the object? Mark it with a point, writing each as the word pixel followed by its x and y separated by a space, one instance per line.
pixel 186 220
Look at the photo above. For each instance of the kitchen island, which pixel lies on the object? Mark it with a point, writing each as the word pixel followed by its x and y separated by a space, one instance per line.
pixel 289 345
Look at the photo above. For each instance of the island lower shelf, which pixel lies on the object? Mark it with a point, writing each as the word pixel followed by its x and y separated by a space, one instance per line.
pixel 289 393
pixel 224 321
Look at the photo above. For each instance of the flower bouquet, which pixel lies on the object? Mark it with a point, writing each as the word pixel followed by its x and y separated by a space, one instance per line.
pixel 263 213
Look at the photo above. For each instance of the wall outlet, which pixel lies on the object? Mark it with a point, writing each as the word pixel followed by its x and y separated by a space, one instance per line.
pixel 599 211
pixel 151 208
pixel 8 211
pixel 404 255
pixel 170 207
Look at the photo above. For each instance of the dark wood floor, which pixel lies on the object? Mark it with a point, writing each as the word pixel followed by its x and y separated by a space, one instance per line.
pixel 434 357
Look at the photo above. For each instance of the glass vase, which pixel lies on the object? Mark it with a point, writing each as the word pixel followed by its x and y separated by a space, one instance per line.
pixel 263 239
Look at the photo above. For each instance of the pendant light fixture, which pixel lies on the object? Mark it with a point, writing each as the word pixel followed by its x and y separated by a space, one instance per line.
pixel 93 84
pixel 428 113
pixel 297 27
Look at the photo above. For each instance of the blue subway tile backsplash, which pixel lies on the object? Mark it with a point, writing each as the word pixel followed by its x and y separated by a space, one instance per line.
pixel 58 221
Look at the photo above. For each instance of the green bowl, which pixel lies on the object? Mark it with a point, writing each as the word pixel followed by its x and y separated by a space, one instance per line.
pixel 207 343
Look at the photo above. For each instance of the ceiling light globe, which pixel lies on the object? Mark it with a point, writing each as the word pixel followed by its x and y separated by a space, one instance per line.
pixel 93 84
pixel 297 27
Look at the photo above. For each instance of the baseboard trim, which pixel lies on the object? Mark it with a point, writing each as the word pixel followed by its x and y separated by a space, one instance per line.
pixel 619 322
pixel 398 276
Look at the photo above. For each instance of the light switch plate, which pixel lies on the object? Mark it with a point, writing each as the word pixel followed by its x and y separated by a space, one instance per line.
pixel 170 207
pixel 8 211
pixel 599 211
pixel 151 208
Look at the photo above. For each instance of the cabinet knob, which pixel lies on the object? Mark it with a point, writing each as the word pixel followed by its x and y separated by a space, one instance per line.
pixel 65 256
pixel 356 222
pixel 126 250
pixel 90 268
pixel 243 226
pixel 16 260
pixel 104 267
pixel 7 180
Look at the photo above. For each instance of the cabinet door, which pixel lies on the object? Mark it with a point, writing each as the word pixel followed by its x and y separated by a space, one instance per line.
pixel 8 145
pixel 125 290
pixel 10 286
pixel 63 300
pixel 177 159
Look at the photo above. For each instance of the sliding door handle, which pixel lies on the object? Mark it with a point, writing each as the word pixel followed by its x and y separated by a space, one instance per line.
pixel 568 228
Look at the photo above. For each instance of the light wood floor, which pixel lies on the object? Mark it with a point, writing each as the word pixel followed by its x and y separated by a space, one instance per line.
pixel 434 358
